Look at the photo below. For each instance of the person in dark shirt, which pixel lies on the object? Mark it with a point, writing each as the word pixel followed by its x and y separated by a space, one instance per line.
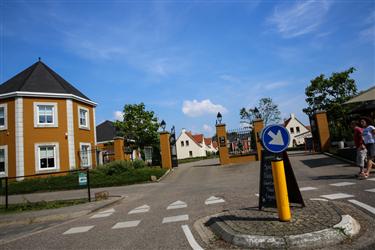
pixel 360 147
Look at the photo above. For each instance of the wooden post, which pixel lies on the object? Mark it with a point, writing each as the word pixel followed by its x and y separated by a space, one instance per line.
pixel 165 150
pixel 119 148
pixel 257 127
pixel 222 144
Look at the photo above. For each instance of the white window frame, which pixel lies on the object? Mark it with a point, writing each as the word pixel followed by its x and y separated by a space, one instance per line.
pixel 89 156
pixel 55 123
pixel 87 126
pixel 5 148
pixel 5 126
pixel 37 156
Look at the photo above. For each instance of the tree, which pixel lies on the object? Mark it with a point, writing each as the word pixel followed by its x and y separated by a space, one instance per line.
pixel 330 94
pixel 266 110
pixel 139 124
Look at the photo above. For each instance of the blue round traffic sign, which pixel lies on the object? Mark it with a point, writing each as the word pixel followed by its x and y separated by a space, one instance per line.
pixel 275 138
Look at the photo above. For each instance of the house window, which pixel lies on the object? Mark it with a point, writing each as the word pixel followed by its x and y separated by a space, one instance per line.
pixel 45 115
pixel 297 130
pixel 182 143
pixel 191 153
pixel 3 116
pixel 47 156
pixel 83 118
pixel 85 153
pixel 187 143
pixel 292 130
pixel 3 160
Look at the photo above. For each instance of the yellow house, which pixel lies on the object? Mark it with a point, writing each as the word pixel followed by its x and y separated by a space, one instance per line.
pixel 46 124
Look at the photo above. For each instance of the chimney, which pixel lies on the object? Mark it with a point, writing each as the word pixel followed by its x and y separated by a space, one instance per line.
pixel 293 116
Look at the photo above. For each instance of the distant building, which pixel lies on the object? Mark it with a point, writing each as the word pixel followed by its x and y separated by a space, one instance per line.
pixel 105 132
pixel 46 124
pixel 298 132
pixel 189 145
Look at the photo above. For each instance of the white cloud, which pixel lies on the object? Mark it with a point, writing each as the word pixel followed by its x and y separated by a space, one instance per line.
pixel 207 128
pixel 275 85
pixel 195 108
pixel 301 18
pixel 118 115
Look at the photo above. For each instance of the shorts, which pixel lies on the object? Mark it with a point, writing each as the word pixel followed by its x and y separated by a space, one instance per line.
pixel 361 157
pixel 370 151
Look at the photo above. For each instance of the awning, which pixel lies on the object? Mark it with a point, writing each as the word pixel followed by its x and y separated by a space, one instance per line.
pixel 368 95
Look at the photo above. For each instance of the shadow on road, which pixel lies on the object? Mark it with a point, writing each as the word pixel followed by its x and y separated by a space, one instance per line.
pixel 206 165
pixel 317 163
pixel 332 177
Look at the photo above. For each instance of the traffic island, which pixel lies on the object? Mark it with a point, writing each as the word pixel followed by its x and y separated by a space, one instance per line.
pixel 321 224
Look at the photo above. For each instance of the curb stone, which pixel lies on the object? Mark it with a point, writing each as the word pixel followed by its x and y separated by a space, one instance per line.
pixel 164 175
pixel 58 216
pixel 346 228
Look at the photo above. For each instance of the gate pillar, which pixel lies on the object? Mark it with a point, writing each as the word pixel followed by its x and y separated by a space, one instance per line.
pixel 119 148
pixel 222 143
pixel 323 130
pixel 165 150
pixel 257 127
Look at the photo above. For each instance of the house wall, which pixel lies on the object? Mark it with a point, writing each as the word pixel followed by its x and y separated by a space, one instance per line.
pixel 82 135
pixel 183 152
pixel 33 135
pixel 8 136
pixel 294 123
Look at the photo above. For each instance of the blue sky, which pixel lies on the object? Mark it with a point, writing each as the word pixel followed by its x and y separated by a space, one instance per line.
pixel 187 60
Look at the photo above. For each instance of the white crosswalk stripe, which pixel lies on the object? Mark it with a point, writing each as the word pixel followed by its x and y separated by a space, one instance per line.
pixel 107 211
pixel 213 200
pixel 342 184
pixel 175 218
pixel 307 188
pixel 337 196
pixel 141 209
pixel 363 205
pixel 371 190
pixel 371 179
pixel 100 215
pixel 75 230
pixel 126 224
pixel 176 205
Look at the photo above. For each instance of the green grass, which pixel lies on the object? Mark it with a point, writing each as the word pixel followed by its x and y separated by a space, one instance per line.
pixel 33 206
pixel 116 173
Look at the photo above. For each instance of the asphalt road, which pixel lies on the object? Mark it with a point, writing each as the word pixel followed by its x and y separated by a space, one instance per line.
pixel 199 189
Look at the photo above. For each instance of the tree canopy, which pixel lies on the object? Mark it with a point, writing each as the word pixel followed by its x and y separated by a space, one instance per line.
pixel 139 124
pixel 266 110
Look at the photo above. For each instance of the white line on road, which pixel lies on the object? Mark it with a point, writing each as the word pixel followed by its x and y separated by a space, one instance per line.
pixel 337 196
pixel 126 224
pixel 307 188
pixel 175 218
pixel 213 200
pixel 193 243
pixel 75 230
pixel 370 190
pixel 342 184
pixel 141 209
pixel 107 211
pixel 363 205
pixel 100 215
pixel 176 205
pixel 257 195
pixel 371 179
pixel 318 199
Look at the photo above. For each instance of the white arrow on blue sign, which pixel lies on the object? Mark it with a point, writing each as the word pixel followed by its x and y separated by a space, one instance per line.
pixel 275 138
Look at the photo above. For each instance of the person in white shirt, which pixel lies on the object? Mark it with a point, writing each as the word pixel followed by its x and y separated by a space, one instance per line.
pixel 369 140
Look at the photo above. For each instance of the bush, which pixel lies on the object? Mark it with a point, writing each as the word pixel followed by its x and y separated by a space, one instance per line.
pixel 115 167
pixel 138 164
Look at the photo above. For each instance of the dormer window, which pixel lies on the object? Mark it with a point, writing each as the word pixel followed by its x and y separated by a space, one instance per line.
pixel 83 118
pixel 3 116
pixel 292 130
pixel 45 114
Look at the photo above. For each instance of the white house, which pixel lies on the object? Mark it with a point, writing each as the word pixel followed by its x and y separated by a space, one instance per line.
pixel 189 145
pixel 298 132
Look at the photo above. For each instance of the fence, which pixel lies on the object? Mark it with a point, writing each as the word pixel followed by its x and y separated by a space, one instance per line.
pixel 241 141
pixel 25 188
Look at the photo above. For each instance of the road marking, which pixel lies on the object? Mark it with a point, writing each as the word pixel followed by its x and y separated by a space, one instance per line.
pixel 175 218
pixel 257 195
pixel 337 196
pixel 176 205
pixel 141 209
pixel 213 200
pixel 75 230
pixel 370 179
pixel 193 243
pixel 318 199
pixel 342 184
pixel 107 211
pixel 100 215
pixel 363 205
pixel 370 190
pixel 307 188
pixel 126 224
